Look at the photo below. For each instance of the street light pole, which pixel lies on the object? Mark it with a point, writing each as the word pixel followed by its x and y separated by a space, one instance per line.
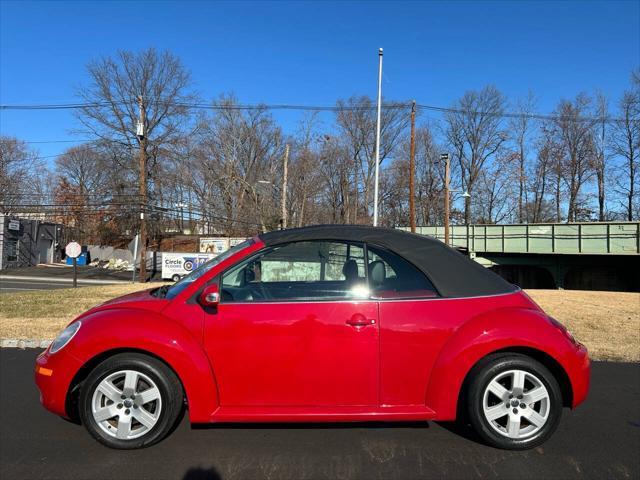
pixel 143 191
pixel 412 168
pixel 283 202
pixel 447 174
pixel 375 188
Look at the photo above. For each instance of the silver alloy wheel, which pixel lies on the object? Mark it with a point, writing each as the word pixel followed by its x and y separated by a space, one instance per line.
pixel 126 404
pixel 516 404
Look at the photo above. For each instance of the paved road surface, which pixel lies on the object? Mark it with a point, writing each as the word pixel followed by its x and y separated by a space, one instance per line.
pixel 599 440
pixel 10 286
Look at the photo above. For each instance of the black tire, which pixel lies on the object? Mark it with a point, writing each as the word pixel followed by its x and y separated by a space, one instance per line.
pixel 491 368
pixel 176 277
pixel 168 384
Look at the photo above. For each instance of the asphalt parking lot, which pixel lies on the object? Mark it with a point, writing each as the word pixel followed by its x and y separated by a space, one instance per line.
pixel 599 440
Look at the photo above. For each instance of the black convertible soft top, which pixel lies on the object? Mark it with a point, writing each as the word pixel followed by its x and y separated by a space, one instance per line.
pixel 452 273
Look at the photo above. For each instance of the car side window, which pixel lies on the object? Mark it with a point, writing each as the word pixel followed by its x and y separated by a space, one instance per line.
pixel 313 270
pixel 391 276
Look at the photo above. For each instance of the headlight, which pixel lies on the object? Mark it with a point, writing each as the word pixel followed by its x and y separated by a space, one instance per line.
pixel 64 337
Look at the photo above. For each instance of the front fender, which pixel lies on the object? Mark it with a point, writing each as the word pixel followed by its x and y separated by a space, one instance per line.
pixel 484 334
pixel 117 329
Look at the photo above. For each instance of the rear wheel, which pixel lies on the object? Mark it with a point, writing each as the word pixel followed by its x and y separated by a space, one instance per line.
pixel 514 401
pixel 130 401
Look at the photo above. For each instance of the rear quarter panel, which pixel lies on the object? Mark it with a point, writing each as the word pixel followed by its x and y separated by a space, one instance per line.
pixel 487 332
pixel 428 346
pixel 413 334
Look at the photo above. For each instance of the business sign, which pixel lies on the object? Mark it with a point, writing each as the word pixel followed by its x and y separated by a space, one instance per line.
pixel 13 225
pixel 177 265
pixel 215 245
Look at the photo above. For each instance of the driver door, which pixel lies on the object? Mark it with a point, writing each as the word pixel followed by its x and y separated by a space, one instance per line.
pixel 295 327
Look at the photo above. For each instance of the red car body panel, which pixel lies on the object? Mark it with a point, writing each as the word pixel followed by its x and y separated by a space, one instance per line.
pixel 304 361
pixel 295 354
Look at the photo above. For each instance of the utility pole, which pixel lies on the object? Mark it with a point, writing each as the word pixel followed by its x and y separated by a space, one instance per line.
pixel 447 179
pixel 375 188
pixel 283 202
pixel 412 168
pixel 143 191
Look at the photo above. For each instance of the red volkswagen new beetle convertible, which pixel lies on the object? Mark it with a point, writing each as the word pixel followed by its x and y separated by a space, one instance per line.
pixel 317 324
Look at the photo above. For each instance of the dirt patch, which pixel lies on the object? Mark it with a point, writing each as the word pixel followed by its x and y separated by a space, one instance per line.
pixel 608 323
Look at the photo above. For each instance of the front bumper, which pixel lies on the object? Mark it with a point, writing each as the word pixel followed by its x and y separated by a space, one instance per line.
pixel 53 375
pixel 580 375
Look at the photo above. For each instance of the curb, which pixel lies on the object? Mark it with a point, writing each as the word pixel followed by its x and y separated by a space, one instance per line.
pixel 22 344
pixel 89 281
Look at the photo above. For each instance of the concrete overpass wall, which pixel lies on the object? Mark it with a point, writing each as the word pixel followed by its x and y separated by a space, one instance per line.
pixel 614 238
pixel 585 256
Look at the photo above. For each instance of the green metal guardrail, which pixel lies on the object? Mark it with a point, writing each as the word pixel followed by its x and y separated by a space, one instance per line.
pixel 601 238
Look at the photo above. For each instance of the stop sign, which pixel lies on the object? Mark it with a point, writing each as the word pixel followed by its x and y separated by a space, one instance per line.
pixel 73 250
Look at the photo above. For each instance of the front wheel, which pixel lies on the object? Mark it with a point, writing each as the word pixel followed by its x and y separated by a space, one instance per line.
pixel 130 401
pixel 514 401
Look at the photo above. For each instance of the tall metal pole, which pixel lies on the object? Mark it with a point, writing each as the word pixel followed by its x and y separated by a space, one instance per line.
pixel 412 168
pixel 283 203
pixel 143 192
pixel 375 188
pixel 135 255
pixel 447 175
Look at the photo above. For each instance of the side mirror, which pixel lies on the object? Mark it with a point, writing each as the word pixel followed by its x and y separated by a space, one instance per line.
pixel 210 296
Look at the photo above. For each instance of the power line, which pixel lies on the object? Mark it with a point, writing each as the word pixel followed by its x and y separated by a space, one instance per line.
pixel 60 106
pixel 326 108
pixel 59 141
pixel 47 195
pixel 88 210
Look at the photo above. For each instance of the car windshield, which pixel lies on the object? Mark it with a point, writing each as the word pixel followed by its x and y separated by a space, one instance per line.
pixel 172 291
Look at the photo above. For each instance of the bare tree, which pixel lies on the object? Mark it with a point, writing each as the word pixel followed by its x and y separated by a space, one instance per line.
pixel 19 174
pixel 600 157
pixel 474 130
pixel 339 181
pixel 495 189
pixel 238 162
pixel 83 181
pixel 625 142
pixel 575 133
pixel 394 193
pixel 356 119
pixel 84 167
pixel 521 128
pixel 305 183
pixel 429 177
pixel 111 110
pixel 547 162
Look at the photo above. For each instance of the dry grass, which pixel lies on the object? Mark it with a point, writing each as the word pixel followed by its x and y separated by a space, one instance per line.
pixel 608 323
pixel 42 314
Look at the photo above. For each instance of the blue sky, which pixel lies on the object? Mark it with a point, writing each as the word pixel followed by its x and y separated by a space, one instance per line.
pixel 316 52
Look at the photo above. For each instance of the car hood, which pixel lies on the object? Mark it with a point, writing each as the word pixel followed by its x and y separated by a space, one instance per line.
pixel 142 300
